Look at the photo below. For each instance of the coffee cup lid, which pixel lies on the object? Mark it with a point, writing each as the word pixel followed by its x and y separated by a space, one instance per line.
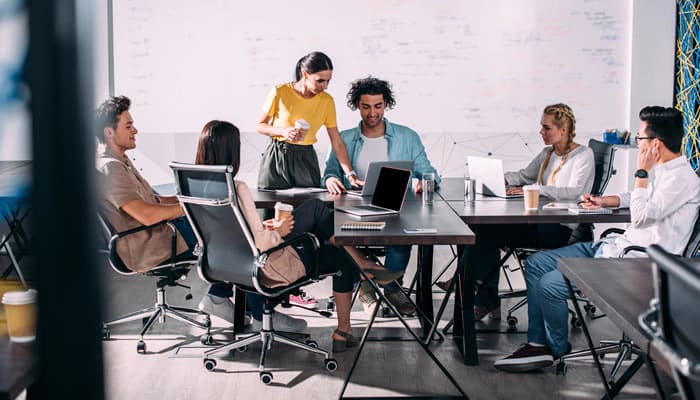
pixel 531 187
pixel 17 297
pixel 283 206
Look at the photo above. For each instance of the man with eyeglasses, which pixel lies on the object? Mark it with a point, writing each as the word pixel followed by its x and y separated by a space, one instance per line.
pixel 663 208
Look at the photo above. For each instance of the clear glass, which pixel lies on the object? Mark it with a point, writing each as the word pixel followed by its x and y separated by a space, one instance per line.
pixel 469 186
pixel 428 188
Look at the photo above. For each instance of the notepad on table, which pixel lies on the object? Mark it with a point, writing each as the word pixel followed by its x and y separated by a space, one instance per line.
pixel 559 206
pixel 581 210
pixel 363 225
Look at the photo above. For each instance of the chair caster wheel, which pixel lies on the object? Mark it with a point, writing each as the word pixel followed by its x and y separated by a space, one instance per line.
pixel 242 349
pixel 576 323
pixel 105 333
pixel 209 364
pixel 207 340
pixel 601 356
pixel 266 377
pixel 141 347
pixel 512 321
pixel 561 368
pixel 331 364
pixel 312 343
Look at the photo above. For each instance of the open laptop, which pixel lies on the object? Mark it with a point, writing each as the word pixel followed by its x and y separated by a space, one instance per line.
pixel 389 195
pixel 488 173
pixel 373 173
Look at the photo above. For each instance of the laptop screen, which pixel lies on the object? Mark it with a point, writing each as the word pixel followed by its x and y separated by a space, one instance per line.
pixel 391 188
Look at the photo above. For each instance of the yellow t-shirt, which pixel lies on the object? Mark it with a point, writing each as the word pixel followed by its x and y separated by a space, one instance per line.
pixel 284 105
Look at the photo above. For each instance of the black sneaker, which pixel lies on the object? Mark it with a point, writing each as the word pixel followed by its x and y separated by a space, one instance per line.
pixel 526 358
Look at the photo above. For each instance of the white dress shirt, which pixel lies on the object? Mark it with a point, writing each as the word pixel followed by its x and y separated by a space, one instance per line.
pixel 664 213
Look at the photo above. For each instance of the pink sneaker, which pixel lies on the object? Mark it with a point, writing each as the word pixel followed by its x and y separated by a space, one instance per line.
pixel 303 300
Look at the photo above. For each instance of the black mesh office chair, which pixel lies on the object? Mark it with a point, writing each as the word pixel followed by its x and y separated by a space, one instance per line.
pixel 228 254
pixel 604 156
pixel 671 323
pixel 167 273
pixel 624 346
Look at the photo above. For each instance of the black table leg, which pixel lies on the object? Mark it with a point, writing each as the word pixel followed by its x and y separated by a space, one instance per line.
pixel 463 329
pixel 424 295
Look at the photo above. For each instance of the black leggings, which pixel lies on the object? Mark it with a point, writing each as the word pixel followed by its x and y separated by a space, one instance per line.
pixel 315 217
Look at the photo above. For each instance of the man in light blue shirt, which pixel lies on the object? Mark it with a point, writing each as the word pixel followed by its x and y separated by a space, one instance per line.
pixel 377 139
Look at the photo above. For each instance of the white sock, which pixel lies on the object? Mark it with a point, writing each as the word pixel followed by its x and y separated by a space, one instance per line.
pixel 533 344
pixel 217 299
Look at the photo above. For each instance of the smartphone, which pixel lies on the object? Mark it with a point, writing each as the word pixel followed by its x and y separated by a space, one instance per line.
pixel 420 230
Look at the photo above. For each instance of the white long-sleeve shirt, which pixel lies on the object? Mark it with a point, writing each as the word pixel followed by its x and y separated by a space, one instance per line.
pixel 574 179
pixel 663 213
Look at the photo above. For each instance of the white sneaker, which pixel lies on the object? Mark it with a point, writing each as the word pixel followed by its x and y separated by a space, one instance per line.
pixel 223 310
pixel 282 322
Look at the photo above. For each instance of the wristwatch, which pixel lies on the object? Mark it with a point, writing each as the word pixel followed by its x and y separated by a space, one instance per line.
pixel 351 173
pixel 641 173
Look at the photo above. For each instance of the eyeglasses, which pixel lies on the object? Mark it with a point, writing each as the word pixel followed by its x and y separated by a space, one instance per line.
pixel 637 138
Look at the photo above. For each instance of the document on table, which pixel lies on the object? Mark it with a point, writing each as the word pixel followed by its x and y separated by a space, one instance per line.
pixel 299 190
pixel 559 206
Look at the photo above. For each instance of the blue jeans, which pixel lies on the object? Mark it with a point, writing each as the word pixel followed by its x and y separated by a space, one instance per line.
pixel 547 311
pixel 396 260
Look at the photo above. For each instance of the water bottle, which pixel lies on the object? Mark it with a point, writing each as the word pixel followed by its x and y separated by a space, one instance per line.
pixel 469 186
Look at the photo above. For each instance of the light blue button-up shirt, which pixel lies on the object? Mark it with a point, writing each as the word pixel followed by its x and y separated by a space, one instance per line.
pixel 403 144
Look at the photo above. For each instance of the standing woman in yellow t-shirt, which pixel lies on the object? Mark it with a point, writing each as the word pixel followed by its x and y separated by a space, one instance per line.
pixel 292 114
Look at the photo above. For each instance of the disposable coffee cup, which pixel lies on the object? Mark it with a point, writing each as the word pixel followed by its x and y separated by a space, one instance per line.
pixel 302 124
pixel 283 210
pixel 531 196
pixel 20 311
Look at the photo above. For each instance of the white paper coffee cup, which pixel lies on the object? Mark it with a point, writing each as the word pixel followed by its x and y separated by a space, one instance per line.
pixel 531 196
pixel 283 210
pixel 21 314
pixel 301 124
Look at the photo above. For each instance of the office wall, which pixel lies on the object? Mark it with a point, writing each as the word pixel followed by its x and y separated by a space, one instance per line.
pixel 470 78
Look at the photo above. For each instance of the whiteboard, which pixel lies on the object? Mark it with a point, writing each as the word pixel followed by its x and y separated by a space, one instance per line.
pixel 470 77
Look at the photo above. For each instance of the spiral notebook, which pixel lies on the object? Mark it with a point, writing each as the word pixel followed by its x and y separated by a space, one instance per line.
pixel 581 210
pixel 363 225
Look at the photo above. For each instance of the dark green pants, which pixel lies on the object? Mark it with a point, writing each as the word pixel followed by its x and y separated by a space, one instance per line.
pixel 286 165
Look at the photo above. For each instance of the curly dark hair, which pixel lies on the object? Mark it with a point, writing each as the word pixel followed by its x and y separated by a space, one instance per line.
pixel 107 114
pixel 370 85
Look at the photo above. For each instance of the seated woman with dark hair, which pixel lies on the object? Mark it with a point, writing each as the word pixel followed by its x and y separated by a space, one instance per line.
pixel 220 144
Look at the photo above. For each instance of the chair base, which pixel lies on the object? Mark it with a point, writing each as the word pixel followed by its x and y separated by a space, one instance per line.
pixel 267 336
pixel 160 311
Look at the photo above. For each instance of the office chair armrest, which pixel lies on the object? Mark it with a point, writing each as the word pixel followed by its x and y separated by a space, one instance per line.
pixel 611 230
pixel 306 236
pixel 112 248
pixel 306 239
pixel 632 248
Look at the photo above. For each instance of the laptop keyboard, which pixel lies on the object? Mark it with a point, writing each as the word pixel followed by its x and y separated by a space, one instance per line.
pixel 369 208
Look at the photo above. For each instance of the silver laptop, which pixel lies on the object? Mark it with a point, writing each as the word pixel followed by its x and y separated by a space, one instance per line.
pixel 389 196
pixel 488 173
pixel 373 173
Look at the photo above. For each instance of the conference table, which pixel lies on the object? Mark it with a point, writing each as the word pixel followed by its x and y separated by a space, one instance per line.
pixel 494 210
pixel 448 229
pixel 622 289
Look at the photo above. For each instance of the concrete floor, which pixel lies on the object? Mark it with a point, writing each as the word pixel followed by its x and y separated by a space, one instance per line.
pixel 172 367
